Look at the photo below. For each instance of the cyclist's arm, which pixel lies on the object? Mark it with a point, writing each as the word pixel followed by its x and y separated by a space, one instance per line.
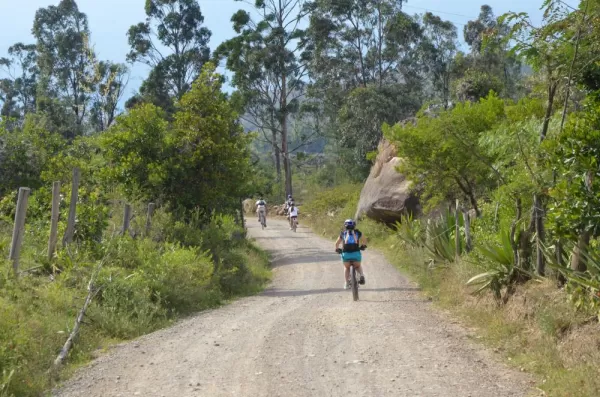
pixel 338 242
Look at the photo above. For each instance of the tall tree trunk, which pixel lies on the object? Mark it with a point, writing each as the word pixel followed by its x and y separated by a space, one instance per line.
pixel 513 232
pixel 578 262
pixel 538 209
pixel 468 191
pixel 276 154
pixel 538 213
pixel 551 94
pixel 284 135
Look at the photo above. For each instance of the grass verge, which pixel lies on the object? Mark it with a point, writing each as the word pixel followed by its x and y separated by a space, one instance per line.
pixel 147 284
pixel 538 331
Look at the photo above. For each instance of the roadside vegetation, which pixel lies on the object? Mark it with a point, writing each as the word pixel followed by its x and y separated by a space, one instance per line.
pixel 513 156
pixel 499 133
pixel 193 254
pixel 541 329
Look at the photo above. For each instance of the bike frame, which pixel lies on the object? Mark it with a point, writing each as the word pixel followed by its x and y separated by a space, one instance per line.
pixel 353 279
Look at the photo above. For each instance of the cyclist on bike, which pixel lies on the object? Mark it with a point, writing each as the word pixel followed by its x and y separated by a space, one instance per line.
pixel 293 215
pixel 261 209
pixel 288 203
pixel 352 241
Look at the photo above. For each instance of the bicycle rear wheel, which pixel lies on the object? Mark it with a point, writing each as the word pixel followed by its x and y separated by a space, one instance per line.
pixel 354 283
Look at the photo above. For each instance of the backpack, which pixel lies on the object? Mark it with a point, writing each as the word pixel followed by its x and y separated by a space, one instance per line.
pixel 350 239
pixel 261 202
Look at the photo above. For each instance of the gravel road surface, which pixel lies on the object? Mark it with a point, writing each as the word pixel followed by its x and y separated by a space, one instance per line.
pixel 305 336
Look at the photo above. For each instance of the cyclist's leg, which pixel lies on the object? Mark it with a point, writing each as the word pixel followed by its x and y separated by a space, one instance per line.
pixel 347 271
pixel 359 269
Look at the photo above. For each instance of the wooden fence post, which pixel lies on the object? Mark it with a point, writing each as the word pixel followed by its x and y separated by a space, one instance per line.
pixel 19 228
pixel 54 219
pixel 457 230
pixel 151 207
pixel 68 238
pixel 126 218
pixel 469 243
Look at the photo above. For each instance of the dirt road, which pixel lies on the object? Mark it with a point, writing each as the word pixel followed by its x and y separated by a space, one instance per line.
pixel 304 336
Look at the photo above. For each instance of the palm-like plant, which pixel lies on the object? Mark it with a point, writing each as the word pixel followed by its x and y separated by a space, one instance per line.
pixel 503 272
pixel 410 231
pixel 440 238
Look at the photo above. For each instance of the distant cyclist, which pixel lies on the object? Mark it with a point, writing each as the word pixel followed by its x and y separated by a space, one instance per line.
pixel 288 203
pixel 261 209
pixel 352 241
pixel 293 215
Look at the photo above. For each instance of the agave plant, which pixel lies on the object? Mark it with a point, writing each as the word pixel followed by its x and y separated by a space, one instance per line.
pixel 588 281
pixel 440 238
pixel 503 273
pixel 410 231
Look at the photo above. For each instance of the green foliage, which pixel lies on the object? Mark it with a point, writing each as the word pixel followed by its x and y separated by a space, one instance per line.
pixel 436 236
pixel 360 119
pixel 174 44
pixel 576 195
pixel 476 84
pixel 439 49
pixel 410 231
pixel 18 93
pixel 436 147
pixel 490 65
pixel 583 287
pixel 200 161
pixel 145 284
pixel 66 61
pixel 498 259
pixel 24 154
pixel 440 238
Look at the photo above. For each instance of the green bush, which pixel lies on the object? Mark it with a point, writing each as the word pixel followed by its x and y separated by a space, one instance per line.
pixel 127 306
pixel 182 279
pixel 145 284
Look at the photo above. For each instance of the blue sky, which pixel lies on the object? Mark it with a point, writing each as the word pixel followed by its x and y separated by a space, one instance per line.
pixel 110 19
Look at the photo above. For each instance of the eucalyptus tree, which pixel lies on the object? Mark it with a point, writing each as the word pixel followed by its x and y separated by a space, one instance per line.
pixel 174 43
pixel 66 63
pixel 269 58
pixel 18 86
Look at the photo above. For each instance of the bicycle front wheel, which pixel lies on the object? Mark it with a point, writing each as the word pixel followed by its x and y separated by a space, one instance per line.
pixel 354 283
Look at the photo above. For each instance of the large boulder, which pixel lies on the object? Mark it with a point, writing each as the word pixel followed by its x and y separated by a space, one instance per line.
pixel 387 195
pixel 249 206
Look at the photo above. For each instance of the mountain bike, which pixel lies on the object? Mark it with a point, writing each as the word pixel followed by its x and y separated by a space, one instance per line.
pixel 353 278
pixel 262 219
pixel 294 223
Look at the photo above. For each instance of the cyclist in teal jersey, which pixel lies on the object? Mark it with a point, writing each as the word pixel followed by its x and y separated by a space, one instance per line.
pixel 351 240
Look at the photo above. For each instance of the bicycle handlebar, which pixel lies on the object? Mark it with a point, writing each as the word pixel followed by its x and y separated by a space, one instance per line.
pixel 362 248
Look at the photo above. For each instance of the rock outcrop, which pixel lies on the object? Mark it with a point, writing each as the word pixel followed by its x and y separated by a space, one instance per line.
pixel 386 195
pixel 249 206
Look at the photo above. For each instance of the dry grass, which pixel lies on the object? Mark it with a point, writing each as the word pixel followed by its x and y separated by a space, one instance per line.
pixel 538 330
